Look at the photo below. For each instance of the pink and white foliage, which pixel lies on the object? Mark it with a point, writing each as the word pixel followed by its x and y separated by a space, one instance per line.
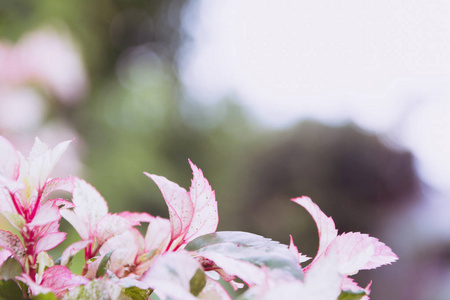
pixel 24 187
pixel 180 205
pixel 205 218
pixel 171 274
pixel 353 251
pixel 56 279
pixel 179 258
pixel 192 213
pixel 132 254
pixel 91 219
pixel 322 282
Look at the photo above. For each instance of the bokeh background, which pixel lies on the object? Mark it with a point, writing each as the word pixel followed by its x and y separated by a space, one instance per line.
pixel 347 102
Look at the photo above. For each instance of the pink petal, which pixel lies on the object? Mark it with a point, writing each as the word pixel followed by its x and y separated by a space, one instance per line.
pixel 180 206
pixel 357 251
pixel 9 160
pixel 205 218
pixel 325 225
pixel 50 241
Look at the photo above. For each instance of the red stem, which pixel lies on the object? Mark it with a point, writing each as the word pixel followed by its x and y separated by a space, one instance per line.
pixel 13 198
pixel 36 205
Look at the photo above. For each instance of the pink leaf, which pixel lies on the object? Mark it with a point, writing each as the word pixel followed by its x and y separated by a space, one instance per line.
pixel 323 280
pixel 9 160
pixel 171 274
pixel 357 251
pixel 59 279
pixel 158 234
pixel 205 218
pixel 58 184
pixel 77 223
pixel 89 204
pixel 325 224
pixel 50 241
pixel 112 225
pixel 180 206
pixel 46 213
pixel 32 285
pixel 42 160
pixel 12 243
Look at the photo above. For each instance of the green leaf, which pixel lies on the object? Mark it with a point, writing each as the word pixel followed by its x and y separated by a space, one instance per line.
pixel 10 290
pixel 347 295
pixel 101 270
pixel 48 296
pixel 10 269
pixel 136 293
pixel 197 282
pixel 248 247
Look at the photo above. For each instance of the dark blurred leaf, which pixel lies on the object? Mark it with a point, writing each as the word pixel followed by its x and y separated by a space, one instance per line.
pixel 101 270
pixel 10 290
pixel 10 269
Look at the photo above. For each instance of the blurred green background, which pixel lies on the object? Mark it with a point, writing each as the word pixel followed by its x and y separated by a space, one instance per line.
pixel 130 113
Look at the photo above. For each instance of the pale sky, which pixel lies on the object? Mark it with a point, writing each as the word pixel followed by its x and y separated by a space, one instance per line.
pixel 383 64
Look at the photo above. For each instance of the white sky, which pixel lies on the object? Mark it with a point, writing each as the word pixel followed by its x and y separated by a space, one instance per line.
pixel 383 64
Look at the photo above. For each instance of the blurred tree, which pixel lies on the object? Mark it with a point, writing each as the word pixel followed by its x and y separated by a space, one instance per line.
pixel 352 175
